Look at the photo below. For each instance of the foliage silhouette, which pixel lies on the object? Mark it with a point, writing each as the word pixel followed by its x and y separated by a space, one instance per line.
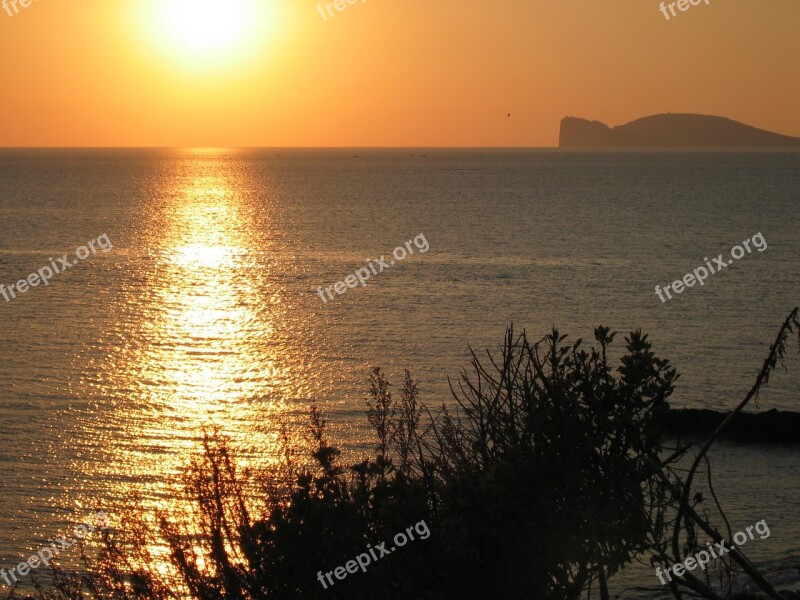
pixel 547 475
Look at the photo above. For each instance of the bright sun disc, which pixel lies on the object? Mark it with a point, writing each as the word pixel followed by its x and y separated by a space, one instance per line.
pixel 207 25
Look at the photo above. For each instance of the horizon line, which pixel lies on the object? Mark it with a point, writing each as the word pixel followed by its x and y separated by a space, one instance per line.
pixel 267 147
pixel 350 148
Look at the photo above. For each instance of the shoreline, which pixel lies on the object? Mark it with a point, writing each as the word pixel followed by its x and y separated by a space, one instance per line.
pixel 772 426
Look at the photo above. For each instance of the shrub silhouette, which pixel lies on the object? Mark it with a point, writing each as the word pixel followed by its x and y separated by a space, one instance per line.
pixel 548 458
pixel 548 476
pixel 531 489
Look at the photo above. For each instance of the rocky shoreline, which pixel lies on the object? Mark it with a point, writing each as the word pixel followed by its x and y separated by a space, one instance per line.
pixel 772 426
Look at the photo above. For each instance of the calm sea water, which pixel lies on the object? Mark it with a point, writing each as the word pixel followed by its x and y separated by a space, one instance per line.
pixel 206 311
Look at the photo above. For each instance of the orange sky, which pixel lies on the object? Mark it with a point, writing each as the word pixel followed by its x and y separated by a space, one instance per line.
pixel 386 72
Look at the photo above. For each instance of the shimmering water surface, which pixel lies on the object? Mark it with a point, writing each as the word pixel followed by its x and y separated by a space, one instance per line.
pixel 206 310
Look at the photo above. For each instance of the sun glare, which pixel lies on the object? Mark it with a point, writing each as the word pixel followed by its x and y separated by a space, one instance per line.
pixel 207 35
pixel 207 25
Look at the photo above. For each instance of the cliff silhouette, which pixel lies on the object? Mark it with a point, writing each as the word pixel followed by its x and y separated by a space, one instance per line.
pixel 670 131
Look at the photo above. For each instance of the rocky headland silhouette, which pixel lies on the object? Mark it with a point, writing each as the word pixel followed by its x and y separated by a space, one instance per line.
pixel 672 130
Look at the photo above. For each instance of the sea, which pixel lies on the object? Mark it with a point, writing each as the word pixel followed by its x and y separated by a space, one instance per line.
pixel 207 307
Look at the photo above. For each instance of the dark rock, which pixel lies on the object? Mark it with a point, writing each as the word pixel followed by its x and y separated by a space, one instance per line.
pixel 772 426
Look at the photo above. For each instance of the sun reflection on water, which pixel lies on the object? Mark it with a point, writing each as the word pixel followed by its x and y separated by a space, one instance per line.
pixel 207 353
pixel 211 327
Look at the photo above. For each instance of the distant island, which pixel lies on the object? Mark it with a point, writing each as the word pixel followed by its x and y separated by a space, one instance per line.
pixel 670 131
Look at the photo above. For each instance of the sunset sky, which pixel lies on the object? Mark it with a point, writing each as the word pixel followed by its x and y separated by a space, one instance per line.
pixel 383 72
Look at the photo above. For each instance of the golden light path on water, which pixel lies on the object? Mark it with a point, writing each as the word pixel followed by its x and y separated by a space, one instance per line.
pixel 208 352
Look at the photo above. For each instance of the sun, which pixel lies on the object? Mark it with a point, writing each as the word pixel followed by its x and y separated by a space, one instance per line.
pixel 198 38
pixel 207 25
pixel 206 33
